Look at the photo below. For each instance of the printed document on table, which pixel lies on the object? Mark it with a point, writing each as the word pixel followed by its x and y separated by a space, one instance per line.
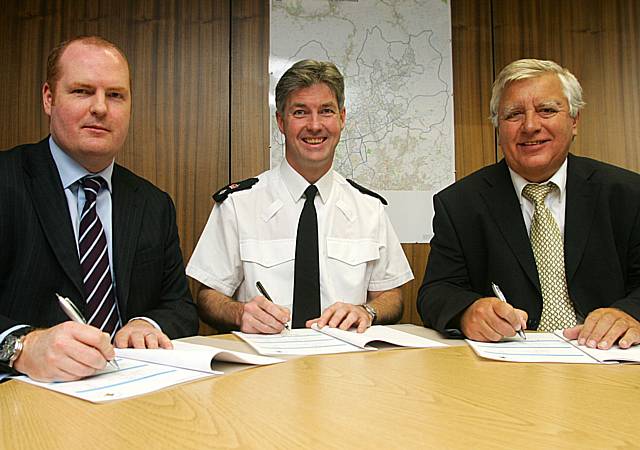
pixel 298 341
pixel 380 333
pixel 134 378
pixel 144 370
pixel 320 341
pixel 193 356
pixel 551 347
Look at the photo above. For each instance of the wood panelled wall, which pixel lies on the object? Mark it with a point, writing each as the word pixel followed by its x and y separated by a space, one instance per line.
pixel 200 84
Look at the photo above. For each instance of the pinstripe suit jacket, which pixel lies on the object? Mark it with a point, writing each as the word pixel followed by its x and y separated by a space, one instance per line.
pixel 38 255
pixel 480 237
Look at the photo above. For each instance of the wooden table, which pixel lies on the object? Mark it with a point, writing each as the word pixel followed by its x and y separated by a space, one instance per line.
pixel 429 398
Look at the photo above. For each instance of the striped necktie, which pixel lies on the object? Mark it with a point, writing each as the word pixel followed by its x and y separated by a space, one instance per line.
pixel 102 309
pixel 548 249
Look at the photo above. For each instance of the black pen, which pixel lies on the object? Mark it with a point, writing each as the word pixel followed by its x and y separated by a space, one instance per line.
pixel 500 295
pixel 74 314
pixel 266 295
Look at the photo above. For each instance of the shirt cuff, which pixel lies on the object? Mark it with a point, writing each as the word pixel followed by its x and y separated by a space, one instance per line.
pixel 6 333
pixel 146 319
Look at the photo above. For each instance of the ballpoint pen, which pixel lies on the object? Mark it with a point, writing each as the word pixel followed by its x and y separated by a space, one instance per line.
pixel 500 295
pixel 74 314
pixel 266 295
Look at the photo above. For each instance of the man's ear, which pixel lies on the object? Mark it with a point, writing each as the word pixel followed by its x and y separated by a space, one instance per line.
pixel 47 98
pixel 574 127
pixel 280 121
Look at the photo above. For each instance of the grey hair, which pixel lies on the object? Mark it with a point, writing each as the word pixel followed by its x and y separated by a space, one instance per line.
pixel 306 73
pixel 532 68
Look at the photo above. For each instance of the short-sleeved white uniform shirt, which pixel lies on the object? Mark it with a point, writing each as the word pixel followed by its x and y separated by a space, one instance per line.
pixel 251 236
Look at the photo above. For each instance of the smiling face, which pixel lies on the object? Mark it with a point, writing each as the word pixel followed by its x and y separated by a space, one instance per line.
pixel 535 128
pixel 311 123
pixel 90 105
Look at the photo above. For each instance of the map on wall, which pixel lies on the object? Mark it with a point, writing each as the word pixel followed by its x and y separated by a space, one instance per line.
pixel 395 56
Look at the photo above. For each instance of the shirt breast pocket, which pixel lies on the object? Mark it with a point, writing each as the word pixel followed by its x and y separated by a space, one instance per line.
pixel 272 263
pixel 349 268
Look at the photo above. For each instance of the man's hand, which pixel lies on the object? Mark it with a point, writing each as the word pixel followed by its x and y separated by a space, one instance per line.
pixel 141 334
pixel 603 327
pixel 262 316
pixel 343 316
pixel 489 319
pixel 68 351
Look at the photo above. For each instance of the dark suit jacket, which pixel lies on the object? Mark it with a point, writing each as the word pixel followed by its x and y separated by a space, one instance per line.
pixel 38 255
pixel 480 237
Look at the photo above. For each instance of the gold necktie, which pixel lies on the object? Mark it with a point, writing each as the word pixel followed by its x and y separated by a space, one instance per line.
pixel 548 250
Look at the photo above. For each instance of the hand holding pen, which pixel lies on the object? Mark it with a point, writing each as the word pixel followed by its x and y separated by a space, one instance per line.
pixel 500 295
pixel 75 315
pixel 266 295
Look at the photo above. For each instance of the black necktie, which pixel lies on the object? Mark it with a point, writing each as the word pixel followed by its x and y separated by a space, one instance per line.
pixel 101 301
pixel 306 279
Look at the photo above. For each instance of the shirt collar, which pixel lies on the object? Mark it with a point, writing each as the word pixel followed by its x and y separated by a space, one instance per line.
pixel 559 179
pixel 69 169
pixel 296 183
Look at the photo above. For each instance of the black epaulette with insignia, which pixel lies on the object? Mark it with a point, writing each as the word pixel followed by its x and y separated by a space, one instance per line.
pixel 364 190
pixel 223 193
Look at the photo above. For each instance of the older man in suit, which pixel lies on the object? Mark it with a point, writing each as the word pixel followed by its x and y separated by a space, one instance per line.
pixel 560 234
pixel 75 223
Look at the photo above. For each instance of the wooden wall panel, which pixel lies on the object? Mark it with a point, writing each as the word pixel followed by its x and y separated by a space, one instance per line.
pixel 598 40
pixel 179 56
pixel 25 29
pixel 249 88
pixel 471 42
pixel 417 255
pixel 200 79
pixel 471 39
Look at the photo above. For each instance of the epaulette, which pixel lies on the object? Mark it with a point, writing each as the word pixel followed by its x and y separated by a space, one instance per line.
pixel 364 190
pixel 223 193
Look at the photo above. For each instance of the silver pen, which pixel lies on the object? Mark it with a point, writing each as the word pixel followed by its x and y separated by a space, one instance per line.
pixel 500 295
pixel 265 294
pixel 74 314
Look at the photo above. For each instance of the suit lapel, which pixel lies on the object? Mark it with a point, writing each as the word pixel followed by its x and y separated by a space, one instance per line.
pixel 127 208
pixel 502 204
pixel 579 213
pixel 52 209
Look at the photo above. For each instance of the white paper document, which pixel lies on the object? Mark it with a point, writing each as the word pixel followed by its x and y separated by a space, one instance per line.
pixel 315 341
pixel 551 347
pixel 143 371
pixel 193 356
pixel 382 334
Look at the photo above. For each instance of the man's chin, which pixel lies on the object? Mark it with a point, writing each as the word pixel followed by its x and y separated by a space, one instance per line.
pixel 95 157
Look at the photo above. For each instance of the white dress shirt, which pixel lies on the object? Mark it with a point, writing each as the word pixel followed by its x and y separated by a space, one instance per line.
pixel 556 200
pixel 251 236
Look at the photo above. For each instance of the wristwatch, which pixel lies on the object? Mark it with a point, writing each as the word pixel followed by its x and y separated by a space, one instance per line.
pixel 371 311
pixel 12 346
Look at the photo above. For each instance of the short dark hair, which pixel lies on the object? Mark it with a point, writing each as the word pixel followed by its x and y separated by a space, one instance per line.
pixel 53 60
pixel 306 73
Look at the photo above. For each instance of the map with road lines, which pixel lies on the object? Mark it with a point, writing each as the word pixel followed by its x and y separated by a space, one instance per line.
pixel 395 56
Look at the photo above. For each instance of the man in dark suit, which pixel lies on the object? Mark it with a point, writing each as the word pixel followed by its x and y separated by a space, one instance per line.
pixel 111 247
pixel 499 225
